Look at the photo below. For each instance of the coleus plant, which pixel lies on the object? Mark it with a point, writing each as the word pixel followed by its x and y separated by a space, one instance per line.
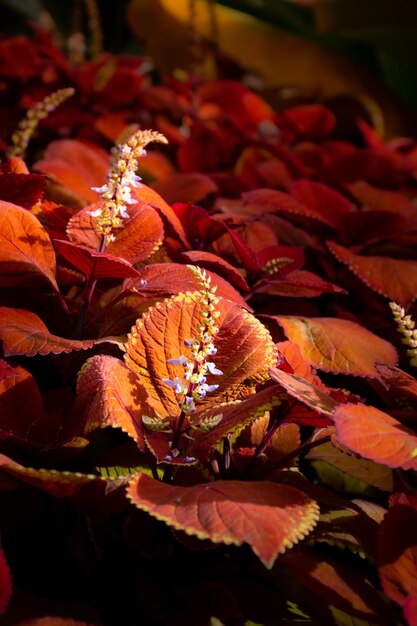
pixel 211 358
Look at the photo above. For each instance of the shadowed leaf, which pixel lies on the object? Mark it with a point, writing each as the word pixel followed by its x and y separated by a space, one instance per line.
pixel 397 553
pixel 23 332
pixel 5 583
pixel 269 517
pixel 87 261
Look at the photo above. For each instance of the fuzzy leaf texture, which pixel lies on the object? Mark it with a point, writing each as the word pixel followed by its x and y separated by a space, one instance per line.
pixel 110 394
pixel 376 435
pixel 26 253
pixel 244 348
pixel 270 517
pixel 338 346
pixel 395 279
pixel 23 332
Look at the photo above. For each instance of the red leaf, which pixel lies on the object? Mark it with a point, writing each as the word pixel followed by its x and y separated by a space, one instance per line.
pixel 165 279
pixel 397 553
pixel 376 436
pixel 5 583
pixel 269 517
pixel 338 346
pixel 23 332
pixel 53 621
pixel 215 263
pixel 88 261
pixel 77 165
pixel 284 203
pixel 110 394
pixel 402 382
pixel 410 610
pixel 26 253
pixel 186 187
pixel 25 190
pixel 322 200
pixel 243 107
pixel 141 235
pixel 235 416
pixel 310 121
pixel 382 199
pixel 244 348
pixel 306 392
pixel 393 278
pixel 299 284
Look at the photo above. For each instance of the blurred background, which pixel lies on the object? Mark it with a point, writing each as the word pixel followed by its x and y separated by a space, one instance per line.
pixel 357 54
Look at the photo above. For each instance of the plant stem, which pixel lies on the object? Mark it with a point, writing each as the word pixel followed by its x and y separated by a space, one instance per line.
pixel 275 421
pixel 304 448
pixel 91 285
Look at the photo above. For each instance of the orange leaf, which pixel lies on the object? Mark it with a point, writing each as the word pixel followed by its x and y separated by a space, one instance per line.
pixel 217 264
pixel 85 259
pixel 26 253
pixel 77 165
pixel 244 347
pixel 393 278
pixel 376 436
pixel 269 517
pixel 186 187
pixel 110 394
pixel 141 235
pixel 397 553
pixel 308 393
pixel 235 416
pixel 5 583
pixel 322 200
pixel 165 279
pixel 337 584
pixel 151 197
pixel 338 346
pixel 23 332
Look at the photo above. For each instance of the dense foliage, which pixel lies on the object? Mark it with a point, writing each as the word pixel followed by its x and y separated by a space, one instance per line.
pixel 208 409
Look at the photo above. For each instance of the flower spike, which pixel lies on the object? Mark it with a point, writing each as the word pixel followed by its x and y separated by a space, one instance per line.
pixel 406 326
pixel 27 126
pixel 116 192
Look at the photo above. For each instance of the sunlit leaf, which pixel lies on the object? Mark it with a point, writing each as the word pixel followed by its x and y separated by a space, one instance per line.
pixel 26 253
pixel 76 165
pixel 393 278
pixel 244 347
pixel 110 394
pixel 270 517
pixel 338 346
pixel 376 435
pixel 141 235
